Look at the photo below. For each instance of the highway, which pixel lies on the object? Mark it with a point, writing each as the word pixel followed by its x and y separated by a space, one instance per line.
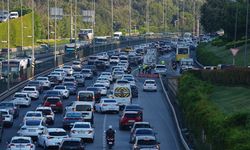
pixel 156 111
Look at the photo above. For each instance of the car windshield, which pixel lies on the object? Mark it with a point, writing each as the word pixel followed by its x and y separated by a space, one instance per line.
pixel 18 141
pixel 82 126
pixel 76 63
pixel 66 67
pixel 41 79
pixel 86 96
pixel 146 142
pixel 74 115
pixel 69 79
pixel 85 71
pixel 144 132
pixel 61 133
pixel 33 115
pixel 33 122
pixel 29 89
pixel 83 107
pixel 4 112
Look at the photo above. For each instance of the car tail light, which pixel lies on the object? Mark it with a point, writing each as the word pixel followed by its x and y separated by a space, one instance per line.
pixel 78 98
pixel 30 145
pixel 47 104
pixel 65 118
pixel 11 145
pixel 104 105
pixel 58 104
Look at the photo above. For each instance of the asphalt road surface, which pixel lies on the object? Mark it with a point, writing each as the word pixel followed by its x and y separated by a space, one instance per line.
pixel 156 111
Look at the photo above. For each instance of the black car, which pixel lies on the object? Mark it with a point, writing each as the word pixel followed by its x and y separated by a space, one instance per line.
pixel 100 65
pixel 52 93
pixel 92 67
pixel 71 144
pixel 134 90
pixel 97 92
pixel 14 109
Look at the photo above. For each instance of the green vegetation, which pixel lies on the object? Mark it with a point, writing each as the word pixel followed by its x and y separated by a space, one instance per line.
pixel 231 99
pixel 201 105
pixel 209 54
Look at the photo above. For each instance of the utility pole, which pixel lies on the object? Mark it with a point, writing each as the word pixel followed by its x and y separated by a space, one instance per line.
pixel 55 24
pixel 163 16
pixel 8 43
pixel 246 34
pixel 130 15
pixel 21 3
pixel 33 40
pixel 71 20
pixel 147 16
pixel 194 14
pixel 75 28
pixel 112 18
pixel 93 26
pixel 48 23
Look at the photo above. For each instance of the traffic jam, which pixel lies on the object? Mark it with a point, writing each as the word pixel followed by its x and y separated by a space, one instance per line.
pixel 71 96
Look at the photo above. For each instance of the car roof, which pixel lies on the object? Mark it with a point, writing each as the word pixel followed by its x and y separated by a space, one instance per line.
pixel 143 129
pixel 43 107
pixel 21 137
pixel 141 137
pixel 141 123
pixel 56 130
pixel 130 112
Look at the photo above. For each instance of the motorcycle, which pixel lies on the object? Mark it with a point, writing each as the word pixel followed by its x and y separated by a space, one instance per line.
pixel 110 142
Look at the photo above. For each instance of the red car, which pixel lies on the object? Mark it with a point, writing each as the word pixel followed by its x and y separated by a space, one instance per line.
pixel 129 118
pixel 55 103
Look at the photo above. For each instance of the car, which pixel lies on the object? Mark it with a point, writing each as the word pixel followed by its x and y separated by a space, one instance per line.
pixel 107 75
pixel 55 103
pixel 134 90
pixel 76 65
pixel 106 61
pixel 128 118
pixel 114 60
pixel 137 125
pixel 92 68
pixel 103 80
pixel 97 92
pixel 8 117
pixel 52 93
pixel 92 59
pixel 21 99
pixel 141 132
pixel 86 96
pixel 13 15
pixel 107 105
pixel 131 80
pixel 54 80
pixel 149 85
pixel 160 69
pixel 21 143
pixel 45 82
pixel 87 73
pixel 68 69
pixel 122 81
pixel 146 142
pixel 63 89
pixel 71 86
pixel 47 113
pixel 13 108
pixel 3 18
pixel 58 75
pixel 37 84
pixel 103 88
pixel 69 79
pixel 80 79
pixel 31 91
pixel 71 144
pixel 83 130
pixel 134 107
pixel 117 74
pixel 32 128
pixel 34 115
pixel 86 108
pixel 52 138
pixel 70 118
pixel 100 65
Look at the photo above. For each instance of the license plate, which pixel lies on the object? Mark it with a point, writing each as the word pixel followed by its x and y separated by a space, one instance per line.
pixel 20 146
pixel 32 130
pixel 110 142
pixel 53 105
pixel 131 121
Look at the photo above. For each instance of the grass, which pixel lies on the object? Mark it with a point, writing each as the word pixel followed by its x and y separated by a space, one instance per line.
pixel 224 55
pixel 15 32
pixel 232 99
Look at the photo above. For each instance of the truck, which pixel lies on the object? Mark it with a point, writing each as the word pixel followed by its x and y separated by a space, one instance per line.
pixel 86 35
pixel 117 35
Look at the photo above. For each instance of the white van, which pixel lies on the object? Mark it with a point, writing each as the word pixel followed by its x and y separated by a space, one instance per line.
pixel 13 15
pixel 122 94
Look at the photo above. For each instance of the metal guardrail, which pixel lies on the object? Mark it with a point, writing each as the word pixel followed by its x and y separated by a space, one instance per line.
pixel 102 48
pixel 175 117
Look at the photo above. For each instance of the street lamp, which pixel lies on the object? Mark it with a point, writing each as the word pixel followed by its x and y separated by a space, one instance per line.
pixel 245 52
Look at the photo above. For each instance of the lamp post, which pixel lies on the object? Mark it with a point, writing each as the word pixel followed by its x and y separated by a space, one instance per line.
pixel 8 42
pixel 55 24
pixel 48 21
pixel 33 40
pixel 246 34
pixel 130 15
pixel 21 3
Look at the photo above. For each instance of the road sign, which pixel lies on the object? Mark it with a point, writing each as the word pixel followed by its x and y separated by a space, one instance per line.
pixel 234 51
pixel 88 16
pixel 56 13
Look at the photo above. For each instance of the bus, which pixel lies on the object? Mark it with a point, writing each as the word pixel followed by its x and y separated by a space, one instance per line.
pixel 102 40
pixel 182 52
pixel 86 35
pixel 16 66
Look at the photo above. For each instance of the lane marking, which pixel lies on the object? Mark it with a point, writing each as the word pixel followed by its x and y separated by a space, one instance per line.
pixel 104 133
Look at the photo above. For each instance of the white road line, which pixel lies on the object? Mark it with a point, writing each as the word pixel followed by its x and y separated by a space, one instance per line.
pixel 104 134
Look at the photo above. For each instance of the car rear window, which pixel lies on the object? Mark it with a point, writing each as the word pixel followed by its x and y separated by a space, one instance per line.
pixel 20 141
pixel 160 67
pixel 146 142
pixel 45 111
pixel 109 101
pixel 142 126
pixel 29 89
pixel 82 126
pixel 33 115
pixel 53 100
pixel 85 71
pixel 86 96
pixel 57 133
pixel 150 82
pixel 33 122
pixel 20 95
pixel 83 108
pixel 71 143
pixel 145 132
pixel 131 115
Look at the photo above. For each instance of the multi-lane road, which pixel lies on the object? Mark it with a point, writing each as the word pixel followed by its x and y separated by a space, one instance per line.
pixel 156 111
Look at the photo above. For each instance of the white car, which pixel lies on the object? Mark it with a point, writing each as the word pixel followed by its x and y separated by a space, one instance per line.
pixel 149 85
pixel 114 60
pixel 21 143
pixel 76 65
pixel 107 105
pixel 21 99
pixel 34 115
pixel 160 69
pixel 117 74
pixel 103 80
pixel 47 113
pixel 45 82
pixel 31 91
pixel 59 75
pixel 124 66
pixel 8 117
pixel 129 79
pixel 107 75
pixel 32 128
pixel 87 73
pixel 63 90
pixel 82 130
pixel 52 137
pixel 68 69
pixel 102 87
pixel 13 15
